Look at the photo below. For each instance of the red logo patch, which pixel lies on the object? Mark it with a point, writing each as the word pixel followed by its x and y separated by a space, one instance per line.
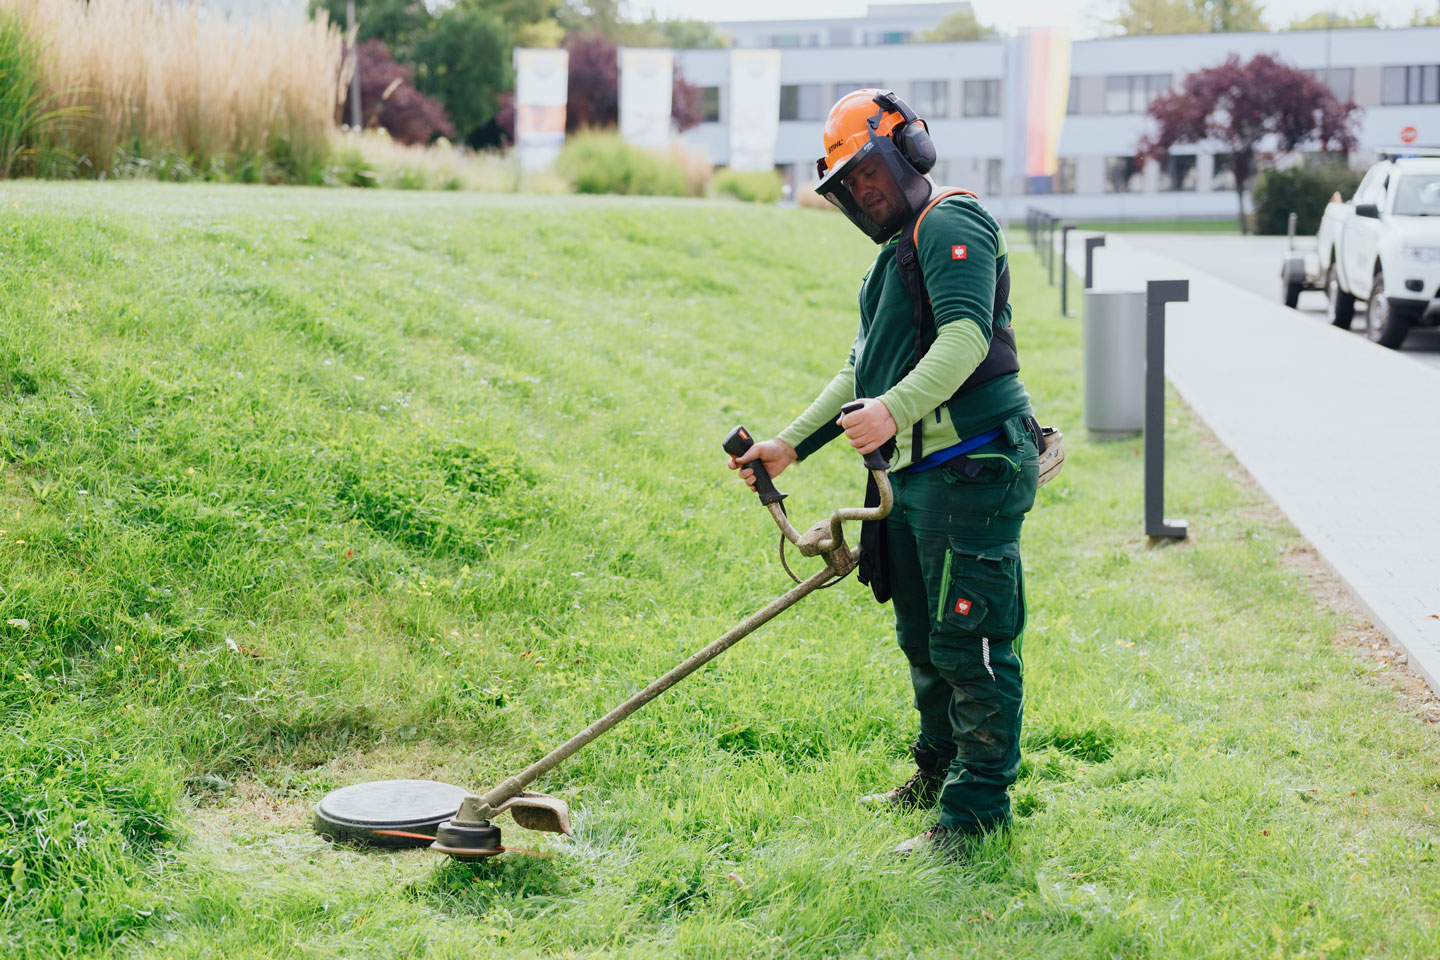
pixel 962 607
pixel 957 252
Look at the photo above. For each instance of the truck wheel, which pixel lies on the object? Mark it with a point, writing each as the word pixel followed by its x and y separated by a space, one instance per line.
pixel 1342 305
pixel 1383 325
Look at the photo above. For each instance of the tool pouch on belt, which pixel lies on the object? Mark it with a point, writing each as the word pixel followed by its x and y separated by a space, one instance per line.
pixel 874 566
pixel 1052 453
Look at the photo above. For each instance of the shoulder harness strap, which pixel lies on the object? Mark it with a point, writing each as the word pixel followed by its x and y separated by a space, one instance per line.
pixel 1002 357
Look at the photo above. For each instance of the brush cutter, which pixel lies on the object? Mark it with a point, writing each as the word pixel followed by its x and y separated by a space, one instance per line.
pixel 454 822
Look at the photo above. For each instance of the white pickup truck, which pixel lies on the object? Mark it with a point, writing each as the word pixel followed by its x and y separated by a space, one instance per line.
pixel 1383 247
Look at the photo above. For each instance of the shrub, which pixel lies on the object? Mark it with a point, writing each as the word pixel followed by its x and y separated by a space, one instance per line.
pixel 390 101
pixel 762 186
pixel 602 162
pixel 373 159
pixel 1305 190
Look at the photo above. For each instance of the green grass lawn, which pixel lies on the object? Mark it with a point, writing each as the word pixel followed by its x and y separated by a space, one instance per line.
pixel 303 488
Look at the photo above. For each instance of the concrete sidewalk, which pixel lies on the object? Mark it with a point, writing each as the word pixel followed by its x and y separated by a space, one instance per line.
pixel 1340 432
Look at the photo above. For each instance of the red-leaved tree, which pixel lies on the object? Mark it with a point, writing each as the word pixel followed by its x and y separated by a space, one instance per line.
pixel 1238 105
pixel 388 98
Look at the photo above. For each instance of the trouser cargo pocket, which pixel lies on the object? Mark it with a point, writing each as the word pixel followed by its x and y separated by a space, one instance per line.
pixel 982 593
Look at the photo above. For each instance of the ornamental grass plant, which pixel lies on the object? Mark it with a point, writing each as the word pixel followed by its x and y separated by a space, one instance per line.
pixel 173 88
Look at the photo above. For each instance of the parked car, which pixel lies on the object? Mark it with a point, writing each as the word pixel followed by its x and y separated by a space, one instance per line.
pixel 1382 246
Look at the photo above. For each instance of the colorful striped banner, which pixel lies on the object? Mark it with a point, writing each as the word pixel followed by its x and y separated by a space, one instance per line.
pixel 1037 90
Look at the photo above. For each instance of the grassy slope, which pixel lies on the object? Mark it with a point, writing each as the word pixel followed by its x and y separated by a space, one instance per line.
pixel 304 488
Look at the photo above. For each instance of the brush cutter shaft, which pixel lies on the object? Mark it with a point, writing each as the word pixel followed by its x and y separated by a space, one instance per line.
pixel 780 604
pixel 825 539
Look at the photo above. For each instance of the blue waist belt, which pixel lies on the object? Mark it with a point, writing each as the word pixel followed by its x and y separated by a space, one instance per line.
pixel 950 453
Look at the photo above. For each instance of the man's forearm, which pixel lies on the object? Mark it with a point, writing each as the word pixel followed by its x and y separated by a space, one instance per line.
pixel 818 420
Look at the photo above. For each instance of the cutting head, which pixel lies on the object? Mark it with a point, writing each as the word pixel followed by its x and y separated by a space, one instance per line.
pixel 388 813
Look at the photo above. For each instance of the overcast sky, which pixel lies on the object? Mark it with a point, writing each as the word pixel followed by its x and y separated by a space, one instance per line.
pixel 1079 15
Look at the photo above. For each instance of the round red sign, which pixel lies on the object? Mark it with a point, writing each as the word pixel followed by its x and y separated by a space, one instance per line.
pixel 1408 134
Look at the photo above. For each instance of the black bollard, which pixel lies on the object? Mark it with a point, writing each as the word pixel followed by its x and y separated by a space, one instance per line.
pixel 1090 244
pixel 1065 268
pixel 1157 294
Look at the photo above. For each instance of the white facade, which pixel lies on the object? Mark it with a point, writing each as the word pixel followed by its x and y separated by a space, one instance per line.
pixel 882 23
pixel 1393 75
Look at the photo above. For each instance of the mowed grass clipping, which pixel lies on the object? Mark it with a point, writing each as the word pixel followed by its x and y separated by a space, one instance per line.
pixel 304 488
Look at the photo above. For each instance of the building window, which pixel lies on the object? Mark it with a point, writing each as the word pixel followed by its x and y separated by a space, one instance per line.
pixel 841 36
pixel 1123 175
pixel 1072 104
pixel 785 40
pixel 1179 174
pixel 843 88
pixel 982 98
pixel 993 177
pixel 1065 175
pixel 930 98
pixel 1341 81
pixel 1407 85
pixel 710 104
pixel 800 101
pixel 1133 93
pixel 1224 176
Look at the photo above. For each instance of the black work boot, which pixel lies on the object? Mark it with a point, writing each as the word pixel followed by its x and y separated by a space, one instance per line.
pixel 921 790
pixel 939 840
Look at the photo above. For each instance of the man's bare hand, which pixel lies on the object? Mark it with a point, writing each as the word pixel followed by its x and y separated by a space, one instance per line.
pixel 869 427
pixel 775 454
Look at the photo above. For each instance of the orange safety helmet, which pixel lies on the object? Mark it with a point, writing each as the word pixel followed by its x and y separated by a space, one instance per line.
pixel 855 115
pixel 847 128
pixel 869 124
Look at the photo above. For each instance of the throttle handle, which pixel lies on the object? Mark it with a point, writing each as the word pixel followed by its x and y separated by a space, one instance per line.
pixel 736 443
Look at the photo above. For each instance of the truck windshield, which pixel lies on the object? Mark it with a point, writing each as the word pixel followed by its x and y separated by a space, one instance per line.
pixel 1418 195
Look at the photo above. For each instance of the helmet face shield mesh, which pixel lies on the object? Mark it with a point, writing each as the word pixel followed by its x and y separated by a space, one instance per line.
pixel 902 191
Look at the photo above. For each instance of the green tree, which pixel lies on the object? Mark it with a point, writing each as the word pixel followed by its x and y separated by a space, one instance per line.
pixel 1143 17
pixel 1323 20
pixel 691 34
pixel 959 27
pixel 463 60
pixel 1230 16
pixel 396 23
pixel 1424 20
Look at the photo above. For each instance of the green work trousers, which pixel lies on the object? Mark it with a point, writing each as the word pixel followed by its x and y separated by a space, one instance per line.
pixel 959 596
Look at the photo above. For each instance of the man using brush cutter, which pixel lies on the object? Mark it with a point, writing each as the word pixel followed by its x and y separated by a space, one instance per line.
pixel 934 366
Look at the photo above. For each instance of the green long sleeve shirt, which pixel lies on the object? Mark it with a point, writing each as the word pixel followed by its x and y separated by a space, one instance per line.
pixel 962 254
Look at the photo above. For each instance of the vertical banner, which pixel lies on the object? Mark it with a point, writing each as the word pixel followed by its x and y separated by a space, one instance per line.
pixel 1037 89
pixel 541 81
pixel 754 108
pixel 647 80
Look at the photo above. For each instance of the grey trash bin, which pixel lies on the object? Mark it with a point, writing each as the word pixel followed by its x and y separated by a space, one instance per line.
pixel 1114 362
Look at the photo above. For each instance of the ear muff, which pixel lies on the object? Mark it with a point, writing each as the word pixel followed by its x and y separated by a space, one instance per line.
pixel 912 136
pixel 915 145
